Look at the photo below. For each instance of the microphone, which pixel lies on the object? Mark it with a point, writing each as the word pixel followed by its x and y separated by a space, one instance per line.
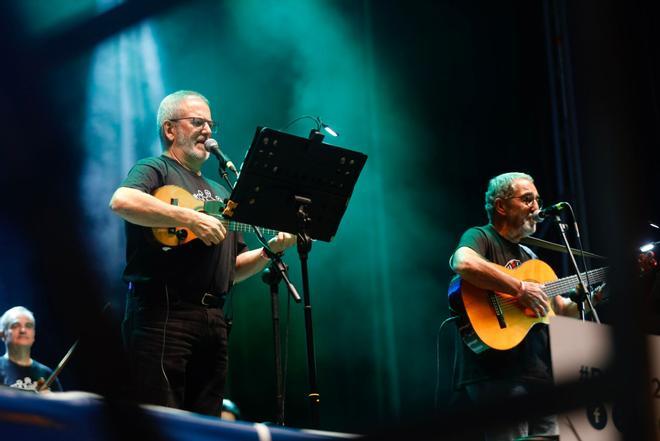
pixel 540 215
pixel 212 146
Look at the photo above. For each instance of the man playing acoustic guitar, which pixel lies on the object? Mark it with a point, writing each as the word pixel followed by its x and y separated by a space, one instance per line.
pixel 511 200
pixel 174 329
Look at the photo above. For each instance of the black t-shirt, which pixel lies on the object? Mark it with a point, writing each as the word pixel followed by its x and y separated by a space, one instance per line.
pixel 530 360
pixel 195 267
pixel 25 377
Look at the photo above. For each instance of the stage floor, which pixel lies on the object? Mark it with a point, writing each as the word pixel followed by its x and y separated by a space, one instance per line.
pixel 75 416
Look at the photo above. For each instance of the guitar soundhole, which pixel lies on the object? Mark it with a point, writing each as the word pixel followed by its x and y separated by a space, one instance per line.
pixel 181 234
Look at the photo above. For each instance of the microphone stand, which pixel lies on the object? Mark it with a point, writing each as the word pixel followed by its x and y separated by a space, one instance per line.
pixel 581 290
pixel 222 170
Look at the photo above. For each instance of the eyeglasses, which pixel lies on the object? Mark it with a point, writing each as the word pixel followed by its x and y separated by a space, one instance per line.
pixel 199 122
pixel 528 199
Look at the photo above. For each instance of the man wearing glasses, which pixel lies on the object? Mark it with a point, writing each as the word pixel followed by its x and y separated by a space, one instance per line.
pixel 511 200
pixel 174 328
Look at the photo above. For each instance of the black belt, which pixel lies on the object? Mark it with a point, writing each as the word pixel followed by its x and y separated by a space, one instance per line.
pixel 155 293
pixel 211 301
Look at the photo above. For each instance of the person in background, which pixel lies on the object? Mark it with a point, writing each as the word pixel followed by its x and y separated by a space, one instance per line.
pixel 17 367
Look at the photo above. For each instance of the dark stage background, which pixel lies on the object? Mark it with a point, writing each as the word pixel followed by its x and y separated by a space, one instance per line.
pixel 441 95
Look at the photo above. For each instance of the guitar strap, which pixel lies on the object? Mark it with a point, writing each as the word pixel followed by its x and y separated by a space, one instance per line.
pixel 530 253
pixel 536 242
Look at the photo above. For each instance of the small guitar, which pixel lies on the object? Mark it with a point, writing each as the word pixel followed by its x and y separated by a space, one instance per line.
pixel 497 320
pixel 175 236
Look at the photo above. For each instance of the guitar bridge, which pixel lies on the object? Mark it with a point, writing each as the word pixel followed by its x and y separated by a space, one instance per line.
pixel 495 303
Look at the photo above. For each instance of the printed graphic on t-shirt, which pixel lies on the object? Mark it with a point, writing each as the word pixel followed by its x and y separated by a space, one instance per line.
pixel 205 195
pixel 513 264
pixel 25 384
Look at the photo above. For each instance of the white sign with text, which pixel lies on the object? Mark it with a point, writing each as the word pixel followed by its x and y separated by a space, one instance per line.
pixel 580 351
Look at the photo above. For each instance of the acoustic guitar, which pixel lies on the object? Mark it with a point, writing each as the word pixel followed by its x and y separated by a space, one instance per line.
pixel 177 235
pixel 497 320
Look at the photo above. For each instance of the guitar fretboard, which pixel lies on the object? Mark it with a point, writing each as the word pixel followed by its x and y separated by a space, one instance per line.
pixel 562 286
pixel 240 227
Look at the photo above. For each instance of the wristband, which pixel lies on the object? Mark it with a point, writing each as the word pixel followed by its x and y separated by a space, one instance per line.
pixel 264 254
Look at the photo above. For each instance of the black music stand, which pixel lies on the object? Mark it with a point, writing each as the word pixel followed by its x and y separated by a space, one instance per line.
pixel 280 166
pixel 301 186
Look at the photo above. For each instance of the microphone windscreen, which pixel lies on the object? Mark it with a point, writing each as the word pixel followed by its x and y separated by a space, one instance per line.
pixel 538 217
pixel 211 144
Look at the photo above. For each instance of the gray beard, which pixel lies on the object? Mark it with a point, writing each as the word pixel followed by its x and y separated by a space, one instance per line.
pixel 528 228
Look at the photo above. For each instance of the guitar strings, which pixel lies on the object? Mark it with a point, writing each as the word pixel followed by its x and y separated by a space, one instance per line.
pixel 241 227
pixel 553 289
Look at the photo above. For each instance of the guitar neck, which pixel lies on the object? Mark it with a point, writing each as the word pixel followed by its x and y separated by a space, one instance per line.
pixel 562 286
pixel 240 227
pixel 211 208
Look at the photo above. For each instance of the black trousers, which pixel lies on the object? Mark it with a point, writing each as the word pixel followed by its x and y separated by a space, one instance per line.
pixel 488 391
pixel 177 352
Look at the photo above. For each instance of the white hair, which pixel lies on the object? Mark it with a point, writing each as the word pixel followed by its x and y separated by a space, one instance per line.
pixel 9 315
pixel 501 186
pixel 169 108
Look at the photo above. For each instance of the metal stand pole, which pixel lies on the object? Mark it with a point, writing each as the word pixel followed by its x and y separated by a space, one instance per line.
pixel 272 278
pixel 304 247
